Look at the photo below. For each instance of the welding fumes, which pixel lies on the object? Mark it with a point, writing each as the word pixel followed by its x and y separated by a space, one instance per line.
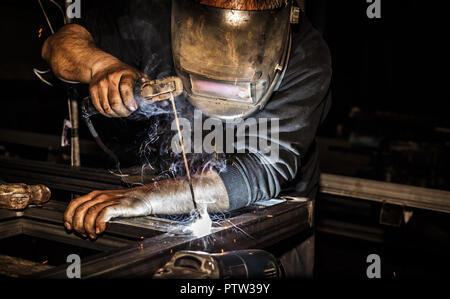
pixel 202 222
pixel 148 93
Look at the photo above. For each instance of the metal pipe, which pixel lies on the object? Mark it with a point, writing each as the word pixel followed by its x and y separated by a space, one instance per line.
pixel 75 159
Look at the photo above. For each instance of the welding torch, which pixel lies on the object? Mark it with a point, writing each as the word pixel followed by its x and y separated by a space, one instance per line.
pixel 149 91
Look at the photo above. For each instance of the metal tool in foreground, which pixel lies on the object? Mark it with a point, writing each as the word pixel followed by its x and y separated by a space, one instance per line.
pixel 239 264
pixel 19 196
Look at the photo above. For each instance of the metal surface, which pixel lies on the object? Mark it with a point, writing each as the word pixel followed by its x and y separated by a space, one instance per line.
pixel 397 194
pixel 17 267
pixel 57 176
pixel 133 250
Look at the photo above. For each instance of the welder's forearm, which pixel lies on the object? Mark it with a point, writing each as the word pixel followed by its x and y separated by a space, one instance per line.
pixel 72 54
pixel 174 196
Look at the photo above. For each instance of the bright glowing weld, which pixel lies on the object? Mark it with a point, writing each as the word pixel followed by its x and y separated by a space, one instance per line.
pixel 201 226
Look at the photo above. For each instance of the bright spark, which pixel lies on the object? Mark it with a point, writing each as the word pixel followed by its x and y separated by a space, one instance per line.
pixel 201 226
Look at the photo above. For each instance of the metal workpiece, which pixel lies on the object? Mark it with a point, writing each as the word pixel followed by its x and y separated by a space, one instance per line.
pixel 138 247
pixel 386 192
pixel 19 196
pixel 58 176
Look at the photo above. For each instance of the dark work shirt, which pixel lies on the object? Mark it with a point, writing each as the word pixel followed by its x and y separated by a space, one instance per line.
pixel 138 33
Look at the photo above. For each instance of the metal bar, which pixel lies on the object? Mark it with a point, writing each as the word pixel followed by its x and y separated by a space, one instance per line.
pixel 397 194
pixel 57 176
pixel 53 211
pixel 11 228
pixel 57 233
pixel 95 174
pixel 75 157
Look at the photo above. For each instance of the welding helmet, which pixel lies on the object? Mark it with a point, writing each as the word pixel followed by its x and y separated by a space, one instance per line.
pixel 230 60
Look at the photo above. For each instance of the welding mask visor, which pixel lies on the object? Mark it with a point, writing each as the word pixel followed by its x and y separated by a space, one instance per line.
pixel 230 61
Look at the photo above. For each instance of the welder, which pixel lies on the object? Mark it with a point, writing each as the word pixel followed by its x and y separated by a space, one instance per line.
pixel 281 70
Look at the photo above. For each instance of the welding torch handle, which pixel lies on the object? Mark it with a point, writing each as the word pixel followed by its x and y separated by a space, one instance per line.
pixel 148 91
pixel 87 108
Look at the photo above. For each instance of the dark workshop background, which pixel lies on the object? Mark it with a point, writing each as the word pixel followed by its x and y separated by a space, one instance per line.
pixel 389 119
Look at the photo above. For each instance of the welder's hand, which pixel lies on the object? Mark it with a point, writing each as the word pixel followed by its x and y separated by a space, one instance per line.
pixel 111 88
pixel 88 214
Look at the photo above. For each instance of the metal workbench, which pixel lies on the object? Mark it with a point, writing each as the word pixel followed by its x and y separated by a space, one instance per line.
pixel 134 248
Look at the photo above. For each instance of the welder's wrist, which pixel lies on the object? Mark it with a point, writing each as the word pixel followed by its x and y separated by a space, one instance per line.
pixel 102 60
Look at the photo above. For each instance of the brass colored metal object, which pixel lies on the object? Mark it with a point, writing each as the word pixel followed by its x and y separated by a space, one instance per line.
pixel 159 90
pixel 19 196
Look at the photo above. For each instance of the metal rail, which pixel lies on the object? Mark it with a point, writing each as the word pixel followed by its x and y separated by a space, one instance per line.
pixel 397 194
pixel 57 176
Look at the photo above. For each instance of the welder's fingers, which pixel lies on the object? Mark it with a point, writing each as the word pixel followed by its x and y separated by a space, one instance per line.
pixel 105 215
pixel 116 101
pixel 91 217
pixel 96 100
pixel 103 88
pixel 74 204
pixel 81 210
pixel 126 86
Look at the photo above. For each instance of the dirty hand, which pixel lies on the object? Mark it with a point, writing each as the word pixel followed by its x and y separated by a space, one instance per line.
pixel 89 214
pixel 111 87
